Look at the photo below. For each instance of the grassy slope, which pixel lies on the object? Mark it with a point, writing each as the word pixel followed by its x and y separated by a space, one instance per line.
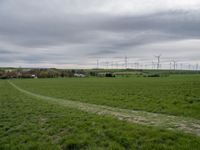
pixel 27 123
pixel 177 94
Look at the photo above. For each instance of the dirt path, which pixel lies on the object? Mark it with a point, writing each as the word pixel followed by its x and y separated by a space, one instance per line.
pixel 187 125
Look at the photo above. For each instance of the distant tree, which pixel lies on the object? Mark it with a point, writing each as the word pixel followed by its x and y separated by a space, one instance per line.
pixel 43 74
pixel 109 75
pixel 92 73
pixel 26 75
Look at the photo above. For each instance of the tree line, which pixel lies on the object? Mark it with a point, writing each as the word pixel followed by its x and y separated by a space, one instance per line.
pixel 38 73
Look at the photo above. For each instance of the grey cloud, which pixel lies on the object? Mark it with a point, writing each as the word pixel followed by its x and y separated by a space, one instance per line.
pixel 94 33
pixel 83 29
pixel 5 51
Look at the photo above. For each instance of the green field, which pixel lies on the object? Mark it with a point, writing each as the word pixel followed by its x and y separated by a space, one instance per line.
pixel 28 122
pixel 177 94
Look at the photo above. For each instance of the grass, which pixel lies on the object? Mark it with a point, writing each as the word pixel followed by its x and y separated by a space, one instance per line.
pixel 184 124
pixel 30 123
pixel 175 95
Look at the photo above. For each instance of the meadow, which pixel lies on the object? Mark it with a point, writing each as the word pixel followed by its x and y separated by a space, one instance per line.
pixel 176 95
pixel 27 122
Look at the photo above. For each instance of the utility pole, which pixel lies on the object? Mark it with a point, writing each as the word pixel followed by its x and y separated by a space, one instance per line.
pixel 107 63
pixel 141 66
pixel 117 65
pixel 152 65
pixel 136 65
pixel 145 66
pixel 126 62
pixel 170 65
pixel 97 63
pixel 112 64
pixel 197 67
pixel 193 67
pixel 158 63
pixel 181 66
pixel 189 66
pixel 174 64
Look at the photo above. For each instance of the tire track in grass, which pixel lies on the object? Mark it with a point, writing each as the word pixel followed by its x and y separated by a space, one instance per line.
pixel 163 121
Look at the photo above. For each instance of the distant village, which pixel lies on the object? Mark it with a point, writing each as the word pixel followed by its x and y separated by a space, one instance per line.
pixel 9 73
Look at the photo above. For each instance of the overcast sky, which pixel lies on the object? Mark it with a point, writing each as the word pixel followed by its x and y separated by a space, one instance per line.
pixel 74 33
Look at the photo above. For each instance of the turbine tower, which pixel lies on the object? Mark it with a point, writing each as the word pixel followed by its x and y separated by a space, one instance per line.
pixel 158 63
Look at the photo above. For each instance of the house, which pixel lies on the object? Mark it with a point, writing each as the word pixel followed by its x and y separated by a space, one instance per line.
pixel 34 76
pixel 79 75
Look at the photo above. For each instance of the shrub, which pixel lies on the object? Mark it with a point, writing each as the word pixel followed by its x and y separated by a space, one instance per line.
pixel 109 75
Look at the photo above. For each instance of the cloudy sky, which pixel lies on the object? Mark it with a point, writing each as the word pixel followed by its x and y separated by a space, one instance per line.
pixel 75 33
